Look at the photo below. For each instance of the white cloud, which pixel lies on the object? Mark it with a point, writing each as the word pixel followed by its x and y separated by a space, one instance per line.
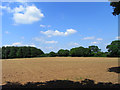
pixel 88 38
pixel 6 8
pixel 42 40
pixel 16 44
pixel 24 14
pixel 20 44
pixel 21 1
pixel 95 42
pixel 99 39
pixel 19 9
pixel 44 26
pixel 50 33
pixel 27 15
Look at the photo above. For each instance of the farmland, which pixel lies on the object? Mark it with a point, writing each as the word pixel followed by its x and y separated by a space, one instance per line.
pixel 43 69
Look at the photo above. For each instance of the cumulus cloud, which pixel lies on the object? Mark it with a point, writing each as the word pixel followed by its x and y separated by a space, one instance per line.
pixel 25 14
pixel 50 33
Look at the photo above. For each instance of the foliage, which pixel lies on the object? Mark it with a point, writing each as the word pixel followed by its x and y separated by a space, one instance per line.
pixel 116 7
pixel 52 54
pixel 94 49
pixel 91 51
pixel 100 54
pixel 114 49
pixel 44 55
pixel 62 52
pixel 79 52
pixel 20 52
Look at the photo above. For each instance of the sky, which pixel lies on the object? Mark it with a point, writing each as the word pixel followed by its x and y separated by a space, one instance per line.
pixel 51 26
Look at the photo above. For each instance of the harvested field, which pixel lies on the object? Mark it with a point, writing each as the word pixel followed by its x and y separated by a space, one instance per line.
pixel 59 68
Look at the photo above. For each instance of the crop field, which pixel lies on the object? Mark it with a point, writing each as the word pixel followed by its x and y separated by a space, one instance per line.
pixel 59 68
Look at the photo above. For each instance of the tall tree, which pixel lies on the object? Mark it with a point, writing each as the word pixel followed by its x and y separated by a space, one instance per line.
pixel 116 7
pixel 80 52
pixel 94 49
pixel 62 52
pixel 114 49
pixel 19 53
pixel 6 52
pixel 52 54
pixel 12 53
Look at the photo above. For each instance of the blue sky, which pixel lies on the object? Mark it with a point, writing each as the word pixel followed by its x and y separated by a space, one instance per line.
pixel 53 26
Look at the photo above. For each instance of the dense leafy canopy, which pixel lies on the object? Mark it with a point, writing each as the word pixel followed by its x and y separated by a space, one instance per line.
pixel 80 52
pixel 91 51
pixel 20 52
pixel 62 52
pixel 116 7
pixel 114 49
pixel 52 54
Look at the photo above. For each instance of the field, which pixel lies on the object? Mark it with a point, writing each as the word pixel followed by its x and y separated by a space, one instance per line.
pixel 59 68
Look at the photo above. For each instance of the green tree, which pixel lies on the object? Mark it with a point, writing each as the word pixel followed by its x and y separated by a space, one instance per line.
pixel 3 52
pixel 100 54
pixel 62 52
pixel 116 7
pixel 19 53
pixel 114 49
pixel 52 54
pixel 6 52
pixel 80 51
pixel 12 53
pixel 0 53
pixel 36 52
pixel 94 49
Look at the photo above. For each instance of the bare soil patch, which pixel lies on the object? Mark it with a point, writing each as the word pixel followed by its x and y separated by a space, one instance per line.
pixel 59 68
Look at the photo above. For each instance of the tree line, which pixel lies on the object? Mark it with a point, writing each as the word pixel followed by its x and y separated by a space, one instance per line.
pixel 92 51
pixel 20 52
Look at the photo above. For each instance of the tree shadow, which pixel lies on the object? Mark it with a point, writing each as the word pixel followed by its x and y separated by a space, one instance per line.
pixel 114 69
pixel 87 83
